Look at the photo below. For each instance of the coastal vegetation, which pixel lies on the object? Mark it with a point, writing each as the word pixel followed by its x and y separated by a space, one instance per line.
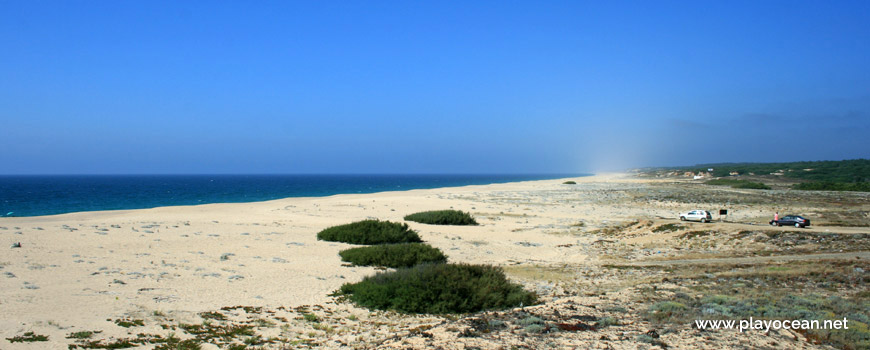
pixel 769 306
pixel 423 281
pixel 370 232
pixel 854 170
pixel 82 334
pixel 442 217
pixel 738 184
pixel 28 337
pixel 127 323
pixel 833 186
pixel 839 175
pixel 393 255
pixel 668 228
pixel 439 289
pixel 569 183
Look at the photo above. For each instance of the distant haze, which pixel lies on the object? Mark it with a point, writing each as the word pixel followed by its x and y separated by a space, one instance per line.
pixel 109 87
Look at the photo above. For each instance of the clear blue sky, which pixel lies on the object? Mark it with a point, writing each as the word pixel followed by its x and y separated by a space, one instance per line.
pixel 428 87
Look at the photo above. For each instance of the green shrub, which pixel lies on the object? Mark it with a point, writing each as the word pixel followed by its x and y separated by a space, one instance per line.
pixel 606 321
pixel 569 183
pixel 667 311
pixel 127 323
pixel 535 328
pixel 82 334
pixel 738 184
pixel 442 217
pixel 439 289
pixel 206 332
pixel 847 171
pixel 530 320
pixel 370 232
pixel 751 185
pixel 173 343
pixel 668 228
pixel 393 255
pixel 28 337
pixel 769 306
pixel 213 315
pixel 834 186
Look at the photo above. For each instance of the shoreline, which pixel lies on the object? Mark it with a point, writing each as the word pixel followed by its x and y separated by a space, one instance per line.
pixel 303 197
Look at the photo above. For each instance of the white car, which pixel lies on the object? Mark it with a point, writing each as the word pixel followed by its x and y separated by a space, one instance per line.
pixel 697 215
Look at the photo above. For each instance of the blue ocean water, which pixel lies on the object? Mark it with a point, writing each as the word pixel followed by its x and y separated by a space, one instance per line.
pixel 48 195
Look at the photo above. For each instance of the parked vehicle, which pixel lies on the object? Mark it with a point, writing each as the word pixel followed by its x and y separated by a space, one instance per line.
pixel 791 220
pixel 697 215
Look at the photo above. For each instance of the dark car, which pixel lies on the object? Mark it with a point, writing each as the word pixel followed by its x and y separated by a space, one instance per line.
pixel 791 220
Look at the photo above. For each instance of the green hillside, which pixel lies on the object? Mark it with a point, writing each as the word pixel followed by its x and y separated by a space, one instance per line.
pixel 829 175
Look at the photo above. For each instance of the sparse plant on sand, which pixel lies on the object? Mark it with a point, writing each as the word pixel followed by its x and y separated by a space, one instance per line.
pixel 606 322
pixel 212 315
pixel 173 343
pixel 123 343
pixel 667 310
pixel 127 323
pixel 210 332
pixel 530 321
pixel 535 328
pixel 82 334
pixel 28 337
pixel 668 228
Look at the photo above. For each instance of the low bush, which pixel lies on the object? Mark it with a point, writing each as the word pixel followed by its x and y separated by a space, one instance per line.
pixel 442 217
pixel 535 328
pixel 668 228
pixel 439 289
pixel 530 321
pixel 569 183
pixel 834 186
pixel 393 255
pixel 127 323
pixel 27 338
pixel 667 311
pixel 738 184
pixel 751 185
pixel 82 334
pixel 370 232
pixel 766 305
